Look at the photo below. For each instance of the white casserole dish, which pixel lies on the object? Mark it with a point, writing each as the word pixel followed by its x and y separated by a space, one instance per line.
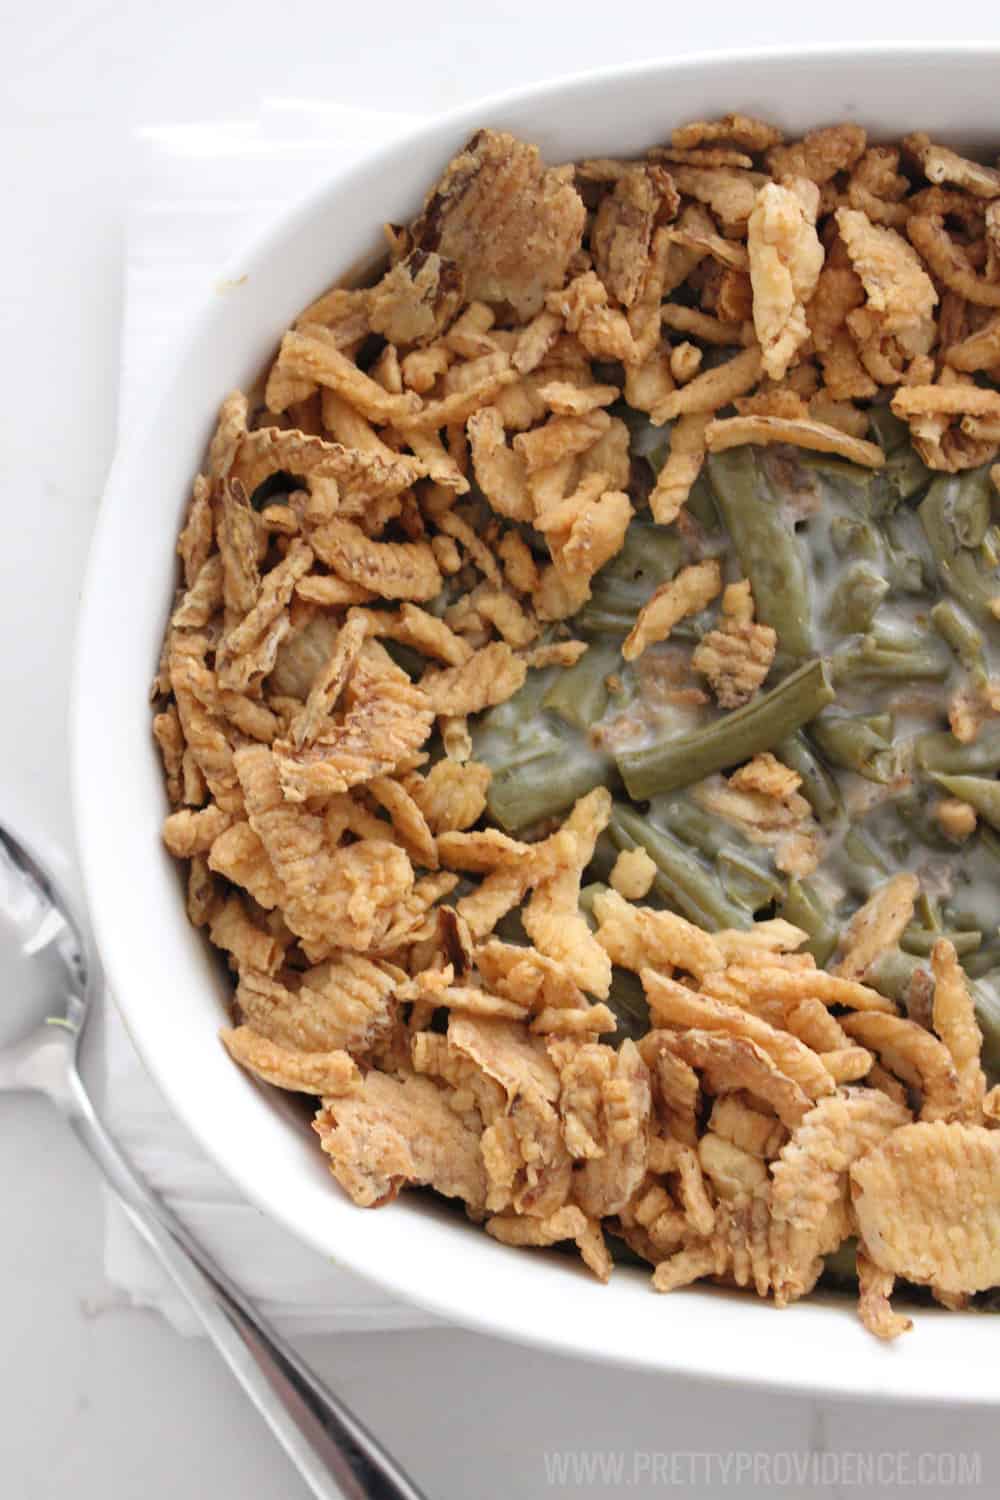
pixel 168 986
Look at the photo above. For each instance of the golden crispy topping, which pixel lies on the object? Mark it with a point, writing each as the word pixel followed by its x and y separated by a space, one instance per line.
pixel 437 474
pixel 690 592
pixel 785 261
pixel 877 925
pixel 394 1131
pixel 633 874
pixel 733 432
pixel 737 656
pixel 925 1201
pixel 820 155
pixel 331 1073
pixel 509 224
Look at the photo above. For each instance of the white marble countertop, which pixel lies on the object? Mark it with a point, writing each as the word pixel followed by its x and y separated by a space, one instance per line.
pixel 100 1400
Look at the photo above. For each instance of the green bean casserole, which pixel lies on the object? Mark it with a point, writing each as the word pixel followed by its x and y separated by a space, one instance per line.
pixel 579 718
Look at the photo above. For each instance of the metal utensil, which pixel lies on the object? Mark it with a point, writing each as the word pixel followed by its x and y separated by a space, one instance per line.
pixel 52 983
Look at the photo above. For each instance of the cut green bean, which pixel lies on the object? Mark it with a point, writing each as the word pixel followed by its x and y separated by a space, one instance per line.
pixel 866 866
pixel 850 537
pixel 540 764
pixel 985 961
pixel 854 743
pixel 579 694
pixel 605 853
pixel 840 1267
pixel 941 752
pixel 876 662
pixel 905 474
pixel 411 660
pixel 770 553
pixel 989 842
pixel 628 1001
pixel 855 598
pixel 955 515
pixel 746 883
pixel 957 630
pixel 804 907
pixel 588 895
pixel 989 547
pixel 862 489
pixel 688 822
pixel 681 878
pixel 536 787
pixel 888 430
pixel 920 940
pixel 981 792
pixel 818 787
pixel 727 741
pixel 909 563
pixel 892 972
pixel 986 997
pixel 649 556
pixel 701 504
pixel 914 808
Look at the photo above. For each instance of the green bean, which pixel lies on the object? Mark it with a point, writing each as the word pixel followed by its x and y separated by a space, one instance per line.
pixel 867 866
pixel 986 997
pixel 540 786
pixel 955 628
pixel 605 854
pixel 955 516
pixel 840 1266
pixel 588 895
pixel 909 563
pixel 888 430
pixel 891 972
pixel 850 537
pixel 989 843
pixel 941 752
pixel 744 870
pixel 989 547
pixel 873 661
pixel 688 822
pixel 920 940
pixel 700 503
pixel 411 661
pixel 970 510
pixel 803 907
pixel 981 791
pixel 650 555
pixel 730 739
pixel 905 474
pixel 510 927
pixel 928 909
pixel 540 764
pixel 818 787
pixel 681 877
pixel 746 883
pixel 914 808
pixel 855 743
pixel 890 633
pixel 628 1001
pixel 855 599
pixel 862 489
pixel 770 554
pixel 579 694
pixel 985 961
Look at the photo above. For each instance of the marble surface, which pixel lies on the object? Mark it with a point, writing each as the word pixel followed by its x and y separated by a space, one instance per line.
pixel 100 1400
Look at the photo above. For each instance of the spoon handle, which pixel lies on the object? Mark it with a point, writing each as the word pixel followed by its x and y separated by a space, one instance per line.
pixel 336 1455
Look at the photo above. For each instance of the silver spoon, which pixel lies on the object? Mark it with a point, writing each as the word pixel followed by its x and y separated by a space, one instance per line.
pixel 53 981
